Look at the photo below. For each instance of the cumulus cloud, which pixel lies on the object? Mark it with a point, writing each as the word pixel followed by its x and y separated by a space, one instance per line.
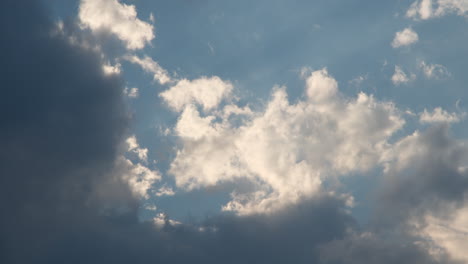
pixel 434 71
pixel 447 235
pixel 440 115
pixel 422 9
pixel 150 66
pixel 287 150
pixel 426 9
pixel 405 37
pixel 208 92
pixel 400 77
pixel 118 19
pixel 65 196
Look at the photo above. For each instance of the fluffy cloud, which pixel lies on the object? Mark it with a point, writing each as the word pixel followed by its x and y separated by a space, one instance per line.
pixel 208 92
pixel 65 197
pixel 422 8
pixel 447 234
pixel 434 71
pixel 287 150
pixel 400 77
pixel 150 66
pixel 118 19
pixel 440 115
pixel 426 9
pixel 405 37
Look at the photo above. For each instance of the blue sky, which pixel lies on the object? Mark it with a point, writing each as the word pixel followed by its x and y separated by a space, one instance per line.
pixel 259 45
pixel 219 114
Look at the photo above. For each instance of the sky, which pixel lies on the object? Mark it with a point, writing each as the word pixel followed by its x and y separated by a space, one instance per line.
pixel 280 131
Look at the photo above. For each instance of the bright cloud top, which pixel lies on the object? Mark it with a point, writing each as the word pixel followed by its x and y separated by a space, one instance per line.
pixel 426 9
pixel 405 37
pixel 205 91
pixel 440 115
pixel 286 150
pixel 118 19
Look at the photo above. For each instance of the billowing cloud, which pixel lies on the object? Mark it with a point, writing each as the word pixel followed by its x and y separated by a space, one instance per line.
pixel 405 37
pixel 447 234
pixel 118 19
pixel 71 176
pixel 422 9
pixel 287 150
pixel 426 9
pixel 440 115
pixel 207 92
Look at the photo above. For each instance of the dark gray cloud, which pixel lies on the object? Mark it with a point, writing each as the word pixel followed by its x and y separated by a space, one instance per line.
pixel 430 180
pixel 61 130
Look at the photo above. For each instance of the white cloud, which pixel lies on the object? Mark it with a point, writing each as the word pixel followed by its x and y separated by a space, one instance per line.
pixel 287 150
pixel 400 77
pixel 460 7
pixel 321 87
pixel 131 92
pixel 426 9
pixel 405 37
pixel 423 9
pixel 139 177
pixel 434 71
pixel 205 91
pixel 110 69
pixel 134 147
pixel 447 234
pixel 150 66
pixel 118 19
pixel 439 115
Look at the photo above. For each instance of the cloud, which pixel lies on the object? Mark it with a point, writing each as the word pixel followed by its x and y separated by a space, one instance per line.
pixel 434 71
pixel 425 173
pixel 150 66
pixel 65 196
pixel 207 92
pixel 440 115
pixel 110 69
pixel 447 234
pixel 134 147
pixel 427 9
pixel 118 19
pixel 400 77
pixel 132 92
pixel 422 8
pixel 405 37
pixel 286 150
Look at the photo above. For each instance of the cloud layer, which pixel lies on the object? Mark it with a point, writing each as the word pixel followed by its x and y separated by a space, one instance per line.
pixel 72 176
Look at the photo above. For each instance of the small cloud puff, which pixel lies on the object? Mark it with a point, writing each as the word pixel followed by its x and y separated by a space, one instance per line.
pixel 405 37
pixel 400 77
